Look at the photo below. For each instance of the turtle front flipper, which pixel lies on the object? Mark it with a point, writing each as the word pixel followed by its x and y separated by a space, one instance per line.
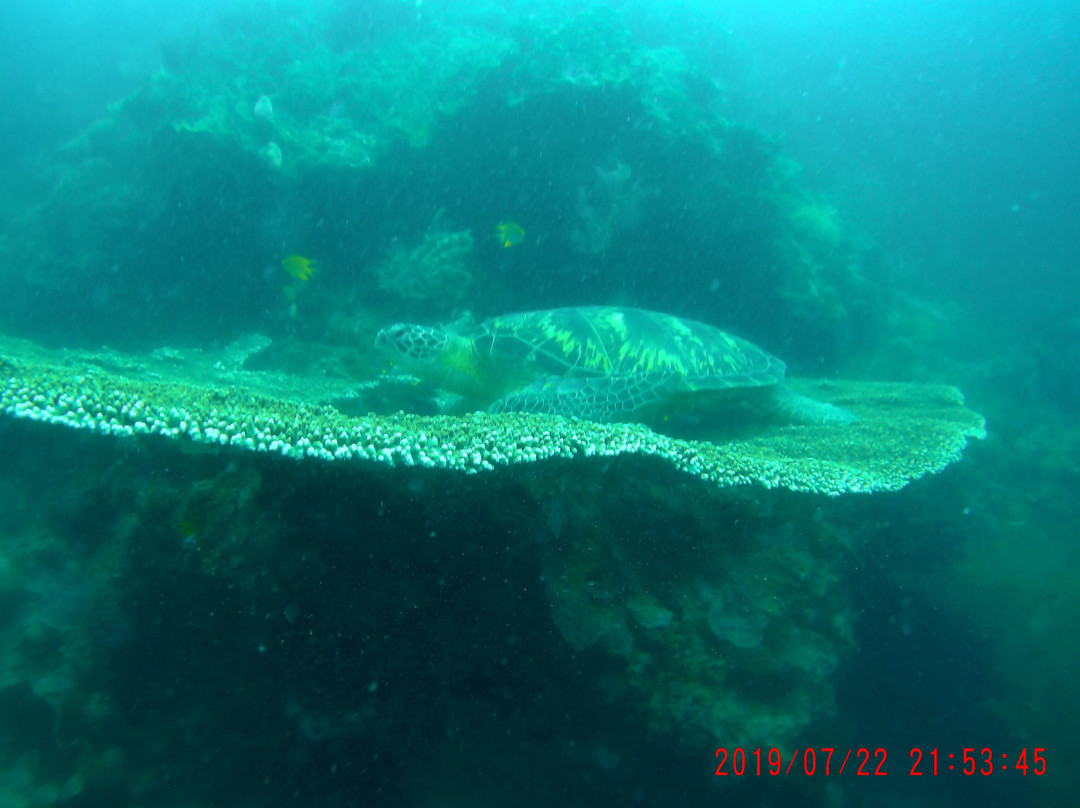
pixel 603 399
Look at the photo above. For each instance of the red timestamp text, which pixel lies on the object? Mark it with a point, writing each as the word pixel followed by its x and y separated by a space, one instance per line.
pixel 867 762
pixel 824 760
pixel 984 761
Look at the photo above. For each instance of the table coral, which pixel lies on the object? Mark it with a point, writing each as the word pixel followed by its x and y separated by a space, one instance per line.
pixel 904 432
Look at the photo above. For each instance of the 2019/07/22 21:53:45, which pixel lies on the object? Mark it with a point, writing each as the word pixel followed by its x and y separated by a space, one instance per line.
pixel 739 762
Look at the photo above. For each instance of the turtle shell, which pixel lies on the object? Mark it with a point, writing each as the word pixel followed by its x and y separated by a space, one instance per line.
pixel 608 363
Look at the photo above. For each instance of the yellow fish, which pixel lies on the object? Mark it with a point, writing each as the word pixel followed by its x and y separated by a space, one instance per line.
pixel 509 234
pixel 299 267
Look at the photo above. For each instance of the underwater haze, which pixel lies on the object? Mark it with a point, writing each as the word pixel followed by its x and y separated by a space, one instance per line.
pixel 436 403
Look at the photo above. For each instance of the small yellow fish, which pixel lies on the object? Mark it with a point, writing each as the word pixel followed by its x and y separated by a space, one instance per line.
pixel 299 267
pixel 509 234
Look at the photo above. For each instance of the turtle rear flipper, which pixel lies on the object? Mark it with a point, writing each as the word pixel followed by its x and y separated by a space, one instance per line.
pixel 603 398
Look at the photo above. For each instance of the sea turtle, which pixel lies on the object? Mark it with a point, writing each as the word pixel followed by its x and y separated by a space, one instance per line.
pixel 601 363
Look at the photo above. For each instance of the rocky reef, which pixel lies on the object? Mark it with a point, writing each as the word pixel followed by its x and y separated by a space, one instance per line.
pixel 293 141
pixel 218 570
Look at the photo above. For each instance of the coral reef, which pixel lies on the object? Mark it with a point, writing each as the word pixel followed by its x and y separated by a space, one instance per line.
pixel 433 277
pixel 241 576
pixel 709 650
pixel 589 49
pixel 300 617
pixel 645 610
pixel 905 431
pixel 331 108
pixel 357 151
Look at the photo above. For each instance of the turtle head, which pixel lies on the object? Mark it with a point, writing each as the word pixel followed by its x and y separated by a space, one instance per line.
pixel 412 344
pixel 439 356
